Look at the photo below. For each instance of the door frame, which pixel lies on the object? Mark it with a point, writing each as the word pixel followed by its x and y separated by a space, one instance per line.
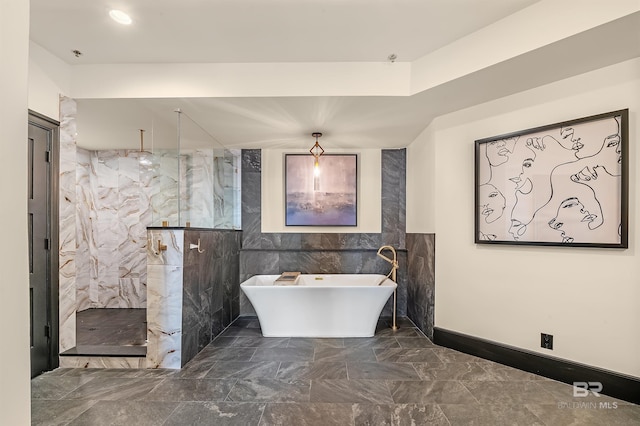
pixel 53 128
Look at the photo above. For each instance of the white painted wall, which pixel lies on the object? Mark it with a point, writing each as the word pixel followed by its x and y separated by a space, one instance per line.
pixel 421 161
pixel 369 192
pixel 14 285
pixel 48 79
pixel 587 298
pixel 239 80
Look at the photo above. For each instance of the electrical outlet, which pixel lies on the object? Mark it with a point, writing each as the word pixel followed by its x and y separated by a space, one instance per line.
pixel 546 341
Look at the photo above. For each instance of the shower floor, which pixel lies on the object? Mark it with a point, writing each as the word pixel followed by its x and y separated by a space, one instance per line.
pixel 111 327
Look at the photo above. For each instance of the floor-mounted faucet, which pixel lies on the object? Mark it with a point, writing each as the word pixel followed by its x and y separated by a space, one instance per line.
pixel 392 274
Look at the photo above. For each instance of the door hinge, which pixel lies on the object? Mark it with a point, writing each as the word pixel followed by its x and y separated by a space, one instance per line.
pixel 47 244
pixel 47 156
pixel 47 331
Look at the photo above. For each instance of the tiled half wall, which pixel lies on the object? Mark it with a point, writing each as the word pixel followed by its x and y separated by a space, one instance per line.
pixel 193 291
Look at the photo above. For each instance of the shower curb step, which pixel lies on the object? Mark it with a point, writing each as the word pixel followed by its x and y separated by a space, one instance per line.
pixel 106 350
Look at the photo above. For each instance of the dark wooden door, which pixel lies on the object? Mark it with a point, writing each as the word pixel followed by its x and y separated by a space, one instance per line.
pixel 39 185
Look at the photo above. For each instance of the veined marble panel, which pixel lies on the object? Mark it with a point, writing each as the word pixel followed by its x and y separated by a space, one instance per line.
pixel 164 316
pixel 102 362
pixel 105 165
pixel 173 239
pixel 113 213
pixel 83 230
pixel 67 225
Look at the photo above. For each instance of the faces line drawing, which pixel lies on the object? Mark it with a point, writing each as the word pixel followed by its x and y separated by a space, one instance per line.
pixel 492 203
pixel 572 218
pixel 524 156
pixel 498 152
pixel 517 229
pixel 570 136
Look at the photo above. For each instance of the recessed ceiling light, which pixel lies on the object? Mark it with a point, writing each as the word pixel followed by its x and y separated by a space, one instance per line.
pixel 120 17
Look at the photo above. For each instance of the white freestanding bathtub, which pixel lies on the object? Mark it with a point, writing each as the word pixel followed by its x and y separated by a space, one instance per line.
pixel 334 305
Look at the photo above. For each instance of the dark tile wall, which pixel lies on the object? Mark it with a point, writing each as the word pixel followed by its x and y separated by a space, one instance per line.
pixel 273 253
pixel 421 280
pixel 210 298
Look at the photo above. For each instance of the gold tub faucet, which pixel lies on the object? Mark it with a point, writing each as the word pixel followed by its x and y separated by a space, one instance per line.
pixel 394 268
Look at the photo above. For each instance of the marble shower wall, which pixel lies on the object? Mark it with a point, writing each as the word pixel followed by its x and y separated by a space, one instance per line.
pixel 67 225
pixel 121 192
pixel 164 314
pixel 209 188
pixel 112 214
pixel 273 253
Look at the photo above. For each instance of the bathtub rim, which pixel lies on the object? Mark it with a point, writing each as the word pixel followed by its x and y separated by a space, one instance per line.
pixel 388 282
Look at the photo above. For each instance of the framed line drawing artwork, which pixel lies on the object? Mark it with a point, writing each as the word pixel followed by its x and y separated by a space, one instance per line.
pixel 324 197
pixel 563 184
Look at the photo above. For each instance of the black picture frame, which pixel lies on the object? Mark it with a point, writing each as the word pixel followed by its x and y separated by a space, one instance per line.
pixel 330 199
pixel 563 184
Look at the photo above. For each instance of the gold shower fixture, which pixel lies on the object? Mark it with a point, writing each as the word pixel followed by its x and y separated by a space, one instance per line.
pixel 145 156
pixel 392 274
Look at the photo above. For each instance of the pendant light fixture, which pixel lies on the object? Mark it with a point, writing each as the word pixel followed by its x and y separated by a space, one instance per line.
pixel 316 150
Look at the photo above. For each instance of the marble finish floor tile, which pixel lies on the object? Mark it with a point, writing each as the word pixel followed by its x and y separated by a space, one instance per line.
pixel 223 342
pixel 503 372
pixel 125 413
pixel 518 392
pixel 371 342
pixel 305 342
pixel 116 388
pixel 452 371
pixel 372 391
pixel 191 390
pixel 225 354
pixel 313 414
pixel 406 355
pixel 272 390
pixel 260 342
pixel 394 378
pixel 449 355
pixel 382 371
pixel 197 368
pixel 489 414
pixel 216 414
pixel 344 354
pixel 51 412
pixel 400 332
pixel 414 342
pixel 55 387
pixel 398 414
pixel 312 370
pixel 429 392
pixel 243 370
pixel 283 354
pixel 241 332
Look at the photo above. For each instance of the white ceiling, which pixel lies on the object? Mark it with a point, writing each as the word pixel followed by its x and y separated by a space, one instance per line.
pixel 229 31
pixel 280 31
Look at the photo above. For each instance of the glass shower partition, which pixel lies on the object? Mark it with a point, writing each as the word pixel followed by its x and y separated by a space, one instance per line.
pixel 197 183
